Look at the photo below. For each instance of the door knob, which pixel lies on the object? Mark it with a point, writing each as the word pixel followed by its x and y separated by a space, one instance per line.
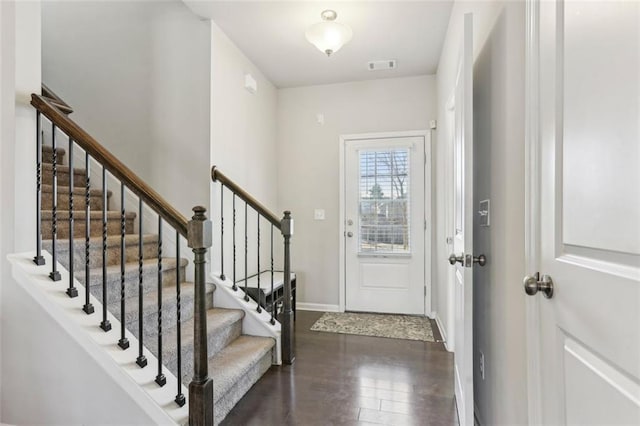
pixel 480 260
pixel 533 284
pixel 453 259
pixel 349 234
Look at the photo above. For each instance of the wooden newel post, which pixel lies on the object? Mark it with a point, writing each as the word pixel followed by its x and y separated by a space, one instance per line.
pixel 201 387
pixel 288 344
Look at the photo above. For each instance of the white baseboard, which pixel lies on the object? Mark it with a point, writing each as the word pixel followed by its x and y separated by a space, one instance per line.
pixel 317 307
pixel 443 333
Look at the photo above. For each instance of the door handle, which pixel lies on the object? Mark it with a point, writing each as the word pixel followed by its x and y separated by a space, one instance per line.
pixel 480 260
pixel 349 234
pixel 533 284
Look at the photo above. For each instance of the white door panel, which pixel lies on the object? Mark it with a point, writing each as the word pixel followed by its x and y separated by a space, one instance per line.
pixel 463 221
pixel 590 212
pixel 384 225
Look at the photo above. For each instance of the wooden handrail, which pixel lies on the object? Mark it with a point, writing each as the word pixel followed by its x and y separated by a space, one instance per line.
pixel 111 163
pixel 217 175
pixel 56 100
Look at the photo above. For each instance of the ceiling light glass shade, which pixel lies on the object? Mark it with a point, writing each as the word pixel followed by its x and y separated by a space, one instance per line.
pixel 328 36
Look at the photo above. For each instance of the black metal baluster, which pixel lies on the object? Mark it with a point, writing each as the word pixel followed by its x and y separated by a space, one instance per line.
pixel 105 324
pixel 88 307
pixel 141 360
pixel 123 342
pixel 246 251
pixel 259 309
pixel 72 291
pixel 235 286
pixel 38 259
pixel 160 378
pixel 222 231
pixel 180 398
pixel 273 300
pixel 54 274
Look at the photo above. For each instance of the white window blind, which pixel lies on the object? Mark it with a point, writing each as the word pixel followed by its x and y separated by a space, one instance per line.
pixel 384 201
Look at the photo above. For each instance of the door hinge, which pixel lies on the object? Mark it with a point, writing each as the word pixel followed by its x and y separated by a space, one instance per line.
pixel 425 224
pixel 425 158
pixel 425 291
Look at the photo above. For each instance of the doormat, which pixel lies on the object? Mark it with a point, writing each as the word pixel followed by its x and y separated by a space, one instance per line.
pixel 377 325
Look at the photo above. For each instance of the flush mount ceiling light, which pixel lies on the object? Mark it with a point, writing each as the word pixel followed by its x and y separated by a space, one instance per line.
pixel 329 36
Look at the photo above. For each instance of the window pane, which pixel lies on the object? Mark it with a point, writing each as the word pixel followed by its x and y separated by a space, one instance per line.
pixel 384 201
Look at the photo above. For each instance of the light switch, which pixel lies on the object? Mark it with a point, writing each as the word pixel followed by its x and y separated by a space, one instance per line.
pixel 483 211
pixel 318 214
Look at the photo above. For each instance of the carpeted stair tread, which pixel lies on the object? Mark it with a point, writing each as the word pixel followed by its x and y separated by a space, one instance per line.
pixel 131 268
pixel 80 215
pixel 149 275
pixel 79 225
pixel 223 327
pixel 112 240
pixel 77 190
pixel 236 368
pixel 62 173
pixel 47 154
pixel 217 320
pixel 149 249
pixel 169 311
pixel 63 198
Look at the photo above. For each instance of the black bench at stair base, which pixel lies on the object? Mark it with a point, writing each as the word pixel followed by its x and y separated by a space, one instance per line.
pixel 263 296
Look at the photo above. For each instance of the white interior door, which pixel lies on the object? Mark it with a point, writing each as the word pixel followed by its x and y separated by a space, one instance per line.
pixel 589 330
pixel 385 225
pixel 462 257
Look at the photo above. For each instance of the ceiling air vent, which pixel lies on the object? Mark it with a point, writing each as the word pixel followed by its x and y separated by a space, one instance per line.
pixel 387 64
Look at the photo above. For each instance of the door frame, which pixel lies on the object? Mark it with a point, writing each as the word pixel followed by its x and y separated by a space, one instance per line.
pixel 428 179
pixel 532 205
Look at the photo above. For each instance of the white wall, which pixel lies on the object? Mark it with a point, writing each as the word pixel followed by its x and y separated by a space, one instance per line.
pixel 243 144
pixel 137 75
pixel 7 118
pixel 484 14
pixel 308 155
pixel 51 378
pixel 19 77
pixel 499 175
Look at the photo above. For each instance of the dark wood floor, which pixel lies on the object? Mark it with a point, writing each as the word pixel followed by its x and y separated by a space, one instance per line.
pixel 353 380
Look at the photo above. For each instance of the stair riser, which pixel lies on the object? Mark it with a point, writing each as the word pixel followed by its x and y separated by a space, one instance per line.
pixel 224 403
pixel 169 319
pixel 47 155
pixel 63 178
pixel 95 227
pixel 79 201
pixel 149 283
pixel 150 320
pixel 149 251
pixel 216 341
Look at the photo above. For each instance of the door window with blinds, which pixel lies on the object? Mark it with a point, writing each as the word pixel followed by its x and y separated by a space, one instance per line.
pixel 384 181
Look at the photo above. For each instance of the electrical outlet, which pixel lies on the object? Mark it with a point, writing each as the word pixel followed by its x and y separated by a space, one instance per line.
pixel 482 365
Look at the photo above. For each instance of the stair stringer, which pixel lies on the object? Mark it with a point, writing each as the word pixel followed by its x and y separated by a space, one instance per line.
pixel 154 401
pixel 253 323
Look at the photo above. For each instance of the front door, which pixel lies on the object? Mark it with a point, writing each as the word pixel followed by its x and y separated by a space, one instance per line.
pixel 589 326
pixel 385 224
pixel 462 256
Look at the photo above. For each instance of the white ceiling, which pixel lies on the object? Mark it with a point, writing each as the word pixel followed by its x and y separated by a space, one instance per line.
pixel 271 34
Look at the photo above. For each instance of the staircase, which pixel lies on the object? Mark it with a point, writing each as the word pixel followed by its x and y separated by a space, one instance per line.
pixel 126 271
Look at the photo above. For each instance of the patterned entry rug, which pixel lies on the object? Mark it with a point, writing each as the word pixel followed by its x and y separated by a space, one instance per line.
pixel 377 325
